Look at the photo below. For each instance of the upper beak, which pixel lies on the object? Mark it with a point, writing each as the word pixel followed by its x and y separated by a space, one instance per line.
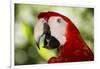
pixel 46 31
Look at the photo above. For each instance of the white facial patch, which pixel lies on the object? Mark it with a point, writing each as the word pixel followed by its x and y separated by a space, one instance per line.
pixel 58 28
pixel 38 30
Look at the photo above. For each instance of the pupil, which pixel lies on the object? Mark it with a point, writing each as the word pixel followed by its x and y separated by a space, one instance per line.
pixel 58 20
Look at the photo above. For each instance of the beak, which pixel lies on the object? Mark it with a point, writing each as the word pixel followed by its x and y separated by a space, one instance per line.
pixel 46 31
pixel 50 42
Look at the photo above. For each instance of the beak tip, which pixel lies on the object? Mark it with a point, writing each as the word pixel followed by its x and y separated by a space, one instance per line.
pixel 37 45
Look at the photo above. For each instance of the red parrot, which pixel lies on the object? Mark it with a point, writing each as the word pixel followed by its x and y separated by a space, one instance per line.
pixel 62 34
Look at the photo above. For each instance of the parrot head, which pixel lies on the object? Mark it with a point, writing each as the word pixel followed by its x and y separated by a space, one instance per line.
pixel 53 26
pixel 57 31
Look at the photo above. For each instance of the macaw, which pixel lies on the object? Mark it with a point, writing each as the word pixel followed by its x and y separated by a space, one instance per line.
pixel 60 33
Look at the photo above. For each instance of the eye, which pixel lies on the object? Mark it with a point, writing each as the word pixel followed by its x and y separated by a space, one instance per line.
pixel 59 20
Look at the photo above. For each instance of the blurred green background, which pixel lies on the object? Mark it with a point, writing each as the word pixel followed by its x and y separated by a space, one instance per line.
pixel 25 18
